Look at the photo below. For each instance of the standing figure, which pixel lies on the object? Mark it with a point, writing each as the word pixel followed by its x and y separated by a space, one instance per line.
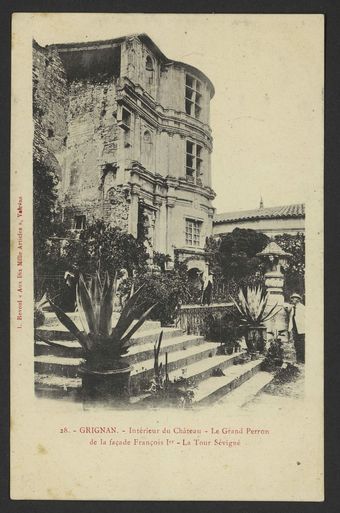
pixel 69 291
pixel 296 326
pixel 207 289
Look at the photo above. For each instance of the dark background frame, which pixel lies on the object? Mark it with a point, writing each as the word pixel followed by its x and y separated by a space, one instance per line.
pixel 331 10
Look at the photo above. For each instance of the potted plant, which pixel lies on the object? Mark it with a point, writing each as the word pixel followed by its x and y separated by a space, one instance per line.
pixel 252 313
pixel 104 371
pixel 275 353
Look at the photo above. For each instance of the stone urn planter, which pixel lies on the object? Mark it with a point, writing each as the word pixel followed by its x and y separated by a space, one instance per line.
pixel 107 384
pixel 253 313
pixel 255 338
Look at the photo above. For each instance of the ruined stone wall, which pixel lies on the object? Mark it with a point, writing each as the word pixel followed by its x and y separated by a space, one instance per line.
pixel 50 105
pixel 76 133
pixel 91 144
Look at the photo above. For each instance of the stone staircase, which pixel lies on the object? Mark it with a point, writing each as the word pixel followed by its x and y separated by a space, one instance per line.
pixel 189 356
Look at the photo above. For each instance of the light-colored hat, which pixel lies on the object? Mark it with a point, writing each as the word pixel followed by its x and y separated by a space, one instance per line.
pixel 296 295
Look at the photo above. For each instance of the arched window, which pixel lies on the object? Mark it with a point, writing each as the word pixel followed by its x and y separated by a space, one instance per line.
pixel 148 63
pixel 147 137
pixel 149 68
pixel 147 148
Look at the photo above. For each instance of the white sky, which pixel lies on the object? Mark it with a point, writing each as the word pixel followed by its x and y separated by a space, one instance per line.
pixel 267 112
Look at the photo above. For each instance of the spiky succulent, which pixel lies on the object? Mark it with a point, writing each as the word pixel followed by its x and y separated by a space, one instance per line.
pixel 251 306
pixel 101 342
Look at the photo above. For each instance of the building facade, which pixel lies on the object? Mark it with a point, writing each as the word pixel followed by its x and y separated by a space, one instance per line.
pixel 127 130
pixel 270 221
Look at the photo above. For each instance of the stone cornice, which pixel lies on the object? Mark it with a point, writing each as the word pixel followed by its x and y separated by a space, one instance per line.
pixel 197 252
pixel 169 182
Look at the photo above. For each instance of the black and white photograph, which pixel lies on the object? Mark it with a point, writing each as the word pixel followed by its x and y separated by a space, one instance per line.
pixel 143 288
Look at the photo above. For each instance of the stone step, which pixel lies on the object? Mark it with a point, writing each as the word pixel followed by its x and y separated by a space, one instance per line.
pixel 244 394
pixel 57 387
pixel 239 385
pixel 203 369
pixel 137 352
pixel 57 365
pixel 62 384
pixel 52 320
pixel 196 372
pixel 213 388
pixel 142 370
pixel 141 336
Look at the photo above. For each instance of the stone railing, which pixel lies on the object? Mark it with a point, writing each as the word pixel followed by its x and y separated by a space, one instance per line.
pixel 193 318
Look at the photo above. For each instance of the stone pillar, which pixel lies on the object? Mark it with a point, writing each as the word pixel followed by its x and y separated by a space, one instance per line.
pixel 169 225
pixel 274 284
pixel 274 281
pixel 157 235
pixel 133 214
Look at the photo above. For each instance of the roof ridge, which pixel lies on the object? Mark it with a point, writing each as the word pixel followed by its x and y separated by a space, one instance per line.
pixel 265 208
pixel 290 210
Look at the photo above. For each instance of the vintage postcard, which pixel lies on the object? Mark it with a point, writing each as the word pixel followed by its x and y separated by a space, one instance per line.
pixel 167 257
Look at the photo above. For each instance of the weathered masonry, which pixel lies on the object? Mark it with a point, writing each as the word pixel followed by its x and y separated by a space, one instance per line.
pixel 128 131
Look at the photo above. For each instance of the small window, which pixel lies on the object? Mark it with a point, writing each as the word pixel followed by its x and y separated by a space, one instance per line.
pixel 79 222
pixel 50 133
pixel 126 124
pixel 126 119
pixel 192 232
pixel 193 96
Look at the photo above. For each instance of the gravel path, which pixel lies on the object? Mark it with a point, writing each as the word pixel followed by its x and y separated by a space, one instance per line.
pixel 285 392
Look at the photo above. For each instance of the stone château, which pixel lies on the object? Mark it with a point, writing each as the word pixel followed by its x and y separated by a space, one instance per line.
pixel 127 130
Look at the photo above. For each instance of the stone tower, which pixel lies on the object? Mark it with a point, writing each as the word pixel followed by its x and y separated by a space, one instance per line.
pixel 127 130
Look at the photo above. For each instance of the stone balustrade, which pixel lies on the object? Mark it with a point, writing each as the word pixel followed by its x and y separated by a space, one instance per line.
pixel 193 318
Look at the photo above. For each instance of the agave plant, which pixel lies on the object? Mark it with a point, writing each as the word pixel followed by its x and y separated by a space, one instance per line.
pixel 39 315
pixel 102 344
pixel 252 306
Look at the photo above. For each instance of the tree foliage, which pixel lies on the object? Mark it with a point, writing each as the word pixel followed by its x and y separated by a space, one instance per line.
pixel 295 270
pixel 45 222
pixel 45 195
pixel 101 247
pixel 161 259
pixel 232 258
pixel 169 289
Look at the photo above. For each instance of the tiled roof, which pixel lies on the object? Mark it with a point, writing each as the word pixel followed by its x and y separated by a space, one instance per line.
pixel 295 210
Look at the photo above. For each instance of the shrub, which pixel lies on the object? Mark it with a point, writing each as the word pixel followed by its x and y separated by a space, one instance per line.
pixel 232 258
pixel 45 224
pixel 295 269
pixel 161 259
pixel 225 329
pixel 106 248
pixel 169 290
